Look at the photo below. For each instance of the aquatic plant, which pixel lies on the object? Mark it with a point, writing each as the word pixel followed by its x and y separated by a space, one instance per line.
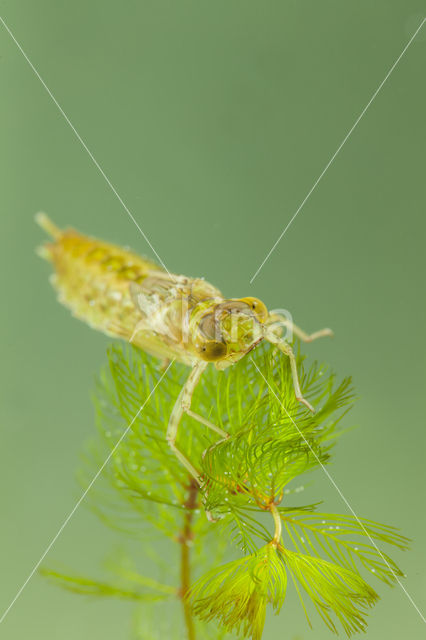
pixel 227 569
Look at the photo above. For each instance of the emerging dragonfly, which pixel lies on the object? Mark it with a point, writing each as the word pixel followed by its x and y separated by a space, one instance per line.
pixel 167 315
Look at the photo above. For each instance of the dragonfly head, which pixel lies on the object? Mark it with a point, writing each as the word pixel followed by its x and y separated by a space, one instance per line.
pixel 224 332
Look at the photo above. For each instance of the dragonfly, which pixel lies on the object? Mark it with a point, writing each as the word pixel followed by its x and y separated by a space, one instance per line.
pixel 169 316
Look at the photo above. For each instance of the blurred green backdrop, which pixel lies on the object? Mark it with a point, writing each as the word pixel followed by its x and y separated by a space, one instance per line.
pixel 213 120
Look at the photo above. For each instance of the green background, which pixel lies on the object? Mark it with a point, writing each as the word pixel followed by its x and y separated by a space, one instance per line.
pixel 213 120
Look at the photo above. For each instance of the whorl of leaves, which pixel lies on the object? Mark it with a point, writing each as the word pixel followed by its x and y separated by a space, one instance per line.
pixel 236 594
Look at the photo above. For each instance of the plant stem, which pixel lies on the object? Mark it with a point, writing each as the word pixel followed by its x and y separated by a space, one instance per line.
pixel 278 525
pixel 185 540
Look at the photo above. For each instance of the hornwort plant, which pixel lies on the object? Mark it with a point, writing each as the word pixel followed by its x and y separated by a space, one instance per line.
pixel 226 574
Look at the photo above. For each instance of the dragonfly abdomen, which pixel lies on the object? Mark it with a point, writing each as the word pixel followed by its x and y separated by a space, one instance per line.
pixel 92 278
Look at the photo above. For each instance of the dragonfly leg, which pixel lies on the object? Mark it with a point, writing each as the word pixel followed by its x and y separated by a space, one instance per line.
pixel 207 423
pixel 283 346
pixel 182 405
pixel 305 337
pixel 288 351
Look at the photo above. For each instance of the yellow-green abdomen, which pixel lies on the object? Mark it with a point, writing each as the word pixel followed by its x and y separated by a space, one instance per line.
pixel 93 278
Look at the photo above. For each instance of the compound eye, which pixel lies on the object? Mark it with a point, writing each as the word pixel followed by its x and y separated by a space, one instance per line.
pixel 232 306
pixel 212 350
pixel 258 308
pixel 207 326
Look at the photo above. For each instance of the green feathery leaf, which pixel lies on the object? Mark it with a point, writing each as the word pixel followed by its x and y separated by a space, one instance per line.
pixel 237 593
pixel 273 442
